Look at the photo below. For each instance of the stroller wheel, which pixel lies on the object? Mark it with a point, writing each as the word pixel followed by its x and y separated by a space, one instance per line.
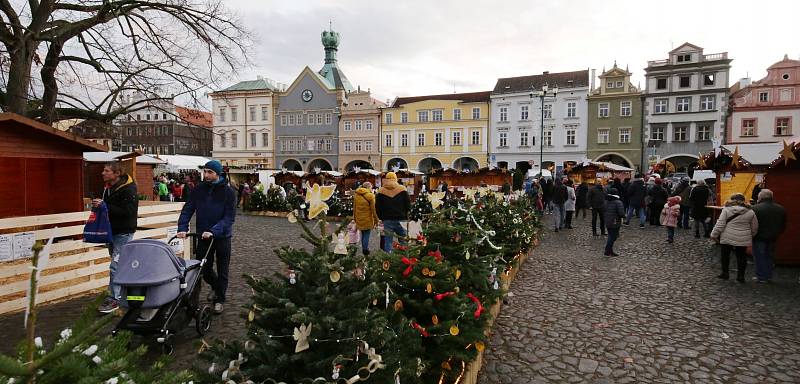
pixel 168 345
pixel 202 321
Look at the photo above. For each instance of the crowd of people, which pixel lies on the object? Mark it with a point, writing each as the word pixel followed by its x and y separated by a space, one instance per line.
pixel 673 204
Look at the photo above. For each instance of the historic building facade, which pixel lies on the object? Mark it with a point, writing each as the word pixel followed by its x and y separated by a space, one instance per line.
pixel 244 115
pixel 516 137
pixel 359 132
pixel 308 115
pixel 615 120
pixel 685 105
pixel 767 110
pixel 437 131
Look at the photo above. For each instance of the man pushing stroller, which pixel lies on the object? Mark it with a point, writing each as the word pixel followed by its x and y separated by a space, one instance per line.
pixel 214 202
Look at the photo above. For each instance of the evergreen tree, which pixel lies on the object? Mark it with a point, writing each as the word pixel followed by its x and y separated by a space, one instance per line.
pixel 420 208
pixel 257 202
pixel 275 202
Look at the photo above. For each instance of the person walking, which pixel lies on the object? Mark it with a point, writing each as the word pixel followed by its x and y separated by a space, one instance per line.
pixel 683 190
pixel 734 231
pixel 364 214
pixel 636 204
pixel 597 201
pixel 658 197
pixel 699 199
pixel 669 216
pixel 391 206
pixel 560 196
pixel 624 193
pixel 771 223
pixel 214 203
pixel 163 190
pixel 119 195
pixel 582 199
pixel 547 195
pixel 570 204
pixel 614 213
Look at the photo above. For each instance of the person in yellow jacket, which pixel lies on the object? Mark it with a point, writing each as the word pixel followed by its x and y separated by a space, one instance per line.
pixel 364 213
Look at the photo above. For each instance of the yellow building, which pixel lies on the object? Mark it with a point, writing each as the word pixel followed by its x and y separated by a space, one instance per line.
pixel 438 131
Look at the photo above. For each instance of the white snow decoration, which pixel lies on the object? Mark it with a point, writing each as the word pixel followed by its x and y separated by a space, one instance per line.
pixel 97 360
pixel 91 350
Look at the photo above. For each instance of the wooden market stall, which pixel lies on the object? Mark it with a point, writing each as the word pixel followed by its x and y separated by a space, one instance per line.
pixel 739 168
pixel 41 168
pixel 492 177
pixel 590 171
pixel 412 180
pixel 357 177
pixel 284 178
pixel 783 179
pixel 140 166
pixel 323 178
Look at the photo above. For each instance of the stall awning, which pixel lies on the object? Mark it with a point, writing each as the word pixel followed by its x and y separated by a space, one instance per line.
pixel 175 163
pixel 105 157
pixel 757 153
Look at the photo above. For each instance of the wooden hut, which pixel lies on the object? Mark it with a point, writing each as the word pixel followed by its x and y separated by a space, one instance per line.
pixel 739 168
pixel 358 176
pixel 41 168
pixel 135 163
pixel 284 178
pixel 323 178
pixel 592 170
pixel 412 180
pixel 492 177
pixel 783 179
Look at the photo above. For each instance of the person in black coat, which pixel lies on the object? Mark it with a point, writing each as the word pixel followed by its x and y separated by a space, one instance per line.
pixel 582 199
pixel 614 213
pixel 636 204
pixel 597 201
pixel 391 205
pixel 658 197
pixel 699 197
pixel 623 193
pixel 547 195
pixel 560 196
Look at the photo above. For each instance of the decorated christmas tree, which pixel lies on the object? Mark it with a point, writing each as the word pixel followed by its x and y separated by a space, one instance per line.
pixel 420 208
pixel 275 201
pixel 340 207
pixel 257 202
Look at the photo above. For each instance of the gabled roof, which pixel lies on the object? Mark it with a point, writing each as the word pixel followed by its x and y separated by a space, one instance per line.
pixel 785 63
pixel 686 44
pixel 250 85
pixel 10 120
pixel 105 157
pixel 472 97
pixel 195 117
pixel 334 77
pixel 574 79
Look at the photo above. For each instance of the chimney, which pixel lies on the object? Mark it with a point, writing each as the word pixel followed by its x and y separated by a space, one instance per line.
pixel 546 73
pixel 592 81
pixel 744 82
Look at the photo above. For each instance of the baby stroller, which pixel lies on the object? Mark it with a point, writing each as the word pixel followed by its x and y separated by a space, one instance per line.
pixel 160 291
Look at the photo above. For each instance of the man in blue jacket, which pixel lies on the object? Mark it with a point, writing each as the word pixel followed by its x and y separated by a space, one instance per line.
pixel 214 202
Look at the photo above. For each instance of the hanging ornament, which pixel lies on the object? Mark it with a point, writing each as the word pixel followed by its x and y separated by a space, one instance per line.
pixel 788 153
pixel 436 255
pixel 335 276
pixel 429 288
pixel 397 377
pixel 387 295
pixel 454 330
pixel 386 265
pixel 435 320
pixel 456 289
pixel 496 285
pixel 426 271
pixel 421 329
pixel 301 336
pixel 375 302
pixel 420 367
pixel 292 277
pixel 410 265
pixel 432 273
pixel 292 218
pixel 341 245
pixel 335 374
pixel 477 301
pixel 480 346
pixel 251 316
pixel 316 197
pixel 360 272
pixel 441 296
pixel 457 237
pixel 466 255
pixel 446 366
pixel 458 274
pixel 398 305
pixel 735 157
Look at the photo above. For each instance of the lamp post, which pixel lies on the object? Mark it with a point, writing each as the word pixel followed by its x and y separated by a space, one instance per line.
pixel 542 94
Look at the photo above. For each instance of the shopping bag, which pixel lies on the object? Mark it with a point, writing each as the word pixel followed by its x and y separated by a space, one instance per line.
pixel 98 226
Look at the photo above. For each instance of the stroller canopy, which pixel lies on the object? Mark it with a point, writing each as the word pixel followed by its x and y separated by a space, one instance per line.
pixel 147 262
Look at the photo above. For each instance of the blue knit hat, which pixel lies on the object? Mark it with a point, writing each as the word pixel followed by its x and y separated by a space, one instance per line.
pixel 215 166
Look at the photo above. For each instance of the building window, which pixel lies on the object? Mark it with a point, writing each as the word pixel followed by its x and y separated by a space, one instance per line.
pixel 253 135
pixel 602 110
pixel 610 84
pixel 348 146
pixel 708 79
pixel 404 140
pixel 503 114
pixel 680 133
pixel 130 131
pixel 422 116
pixel 685 81
pixel 684 104
pixel 763 96
pixel 624 135
pixel 548 138
pixel 476 113
pixel 420 139
pixel 661 83
pixel 348 125
pixel 785 76
pixel 292 119
pixel 312 118
pixel 388 118
pixel 707 102
pixel 625 108
pixel 570 137
pixel 748 127
pixel 457 114
pixel 704 132
pixel 456 138
pixel 234 140
pixel 403 117
pixel 252 113
pixel 359 146
pixel 548 111
pixel 619 84
pixel 783 126
pixel 387 140
pixel 328 118
pixel 368 145
pixel 283 120
pixel 221 114
pixel 684 58
pixel 476 137
pixel 222 140
pixel 657 133
pixel 602 136
pixel 358 125
pixel 523 112
pixel 234 114
pixel 264 113
pixel 265 139
pixel 437 139
pixel 148 115
pixel 368 125
pixel 661 105
pixel 523 139
pixel 572 109
pixel 155 116
pixel 786 94
pixel 436 115
pixel 502 139
pixel 319 118
pixel 164 116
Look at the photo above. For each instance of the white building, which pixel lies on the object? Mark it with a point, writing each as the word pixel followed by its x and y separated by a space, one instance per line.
pixel 515 139
pixel 244 117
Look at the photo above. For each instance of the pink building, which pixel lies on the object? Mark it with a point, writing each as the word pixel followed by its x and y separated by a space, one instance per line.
pixel 767 110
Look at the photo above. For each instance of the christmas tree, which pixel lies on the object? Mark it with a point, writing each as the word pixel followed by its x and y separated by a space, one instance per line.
pixel 275 201
pixel 340 207
pixel 420 208
pixel 257 202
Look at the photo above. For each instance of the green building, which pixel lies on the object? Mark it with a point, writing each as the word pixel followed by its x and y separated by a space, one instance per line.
pixel 615 120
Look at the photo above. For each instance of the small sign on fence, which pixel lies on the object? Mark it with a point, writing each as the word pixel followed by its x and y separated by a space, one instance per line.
pixel 23 245
pixel 6 248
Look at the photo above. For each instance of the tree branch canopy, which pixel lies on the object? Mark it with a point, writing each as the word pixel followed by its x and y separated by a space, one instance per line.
pixel 94 50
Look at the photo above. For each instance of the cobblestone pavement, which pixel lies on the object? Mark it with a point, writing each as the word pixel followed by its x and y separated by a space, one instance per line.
pixel 656 314
pixel 255 238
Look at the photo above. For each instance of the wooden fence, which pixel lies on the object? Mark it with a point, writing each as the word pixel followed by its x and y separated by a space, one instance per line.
pixel 75 267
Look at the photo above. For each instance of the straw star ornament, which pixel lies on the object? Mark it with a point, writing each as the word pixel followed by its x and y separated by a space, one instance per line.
pixel 788 153
pixel 735 157
pixel 316 197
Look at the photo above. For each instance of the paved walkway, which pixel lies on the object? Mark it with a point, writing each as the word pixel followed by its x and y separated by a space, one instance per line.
pixel 657 314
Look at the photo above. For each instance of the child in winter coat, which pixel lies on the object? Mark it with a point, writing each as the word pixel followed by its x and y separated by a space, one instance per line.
pixel 669 216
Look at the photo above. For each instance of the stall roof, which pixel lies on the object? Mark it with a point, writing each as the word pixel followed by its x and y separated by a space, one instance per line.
pixel 757 153
pixel 296 173
pixel 104 157
pixel 179 162
pixel 405 170
pixel 607 165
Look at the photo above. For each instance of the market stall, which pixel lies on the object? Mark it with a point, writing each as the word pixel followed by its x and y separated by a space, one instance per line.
pixel 358 176
pixel 739 168
pixel 136 164
pixel 590 171
pixel 492 177
pixel 412 180
pixel 783 179
pixel 323 178
pixel 284 178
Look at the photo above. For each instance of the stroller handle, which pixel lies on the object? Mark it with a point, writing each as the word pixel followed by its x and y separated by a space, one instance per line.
pixel 188 235
pixel 195 236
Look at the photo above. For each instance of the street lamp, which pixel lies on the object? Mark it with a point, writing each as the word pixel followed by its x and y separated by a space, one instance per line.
pixel 542 94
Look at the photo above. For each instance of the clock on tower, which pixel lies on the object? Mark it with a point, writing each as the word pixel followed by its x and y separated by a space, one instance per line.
pixel 307 95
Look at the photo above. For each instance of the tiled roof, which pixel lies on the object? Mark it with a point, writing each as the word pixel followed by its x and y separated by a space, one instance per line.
pixel 472 97
pixel 250 85
pixel 572 79
pixel 195 117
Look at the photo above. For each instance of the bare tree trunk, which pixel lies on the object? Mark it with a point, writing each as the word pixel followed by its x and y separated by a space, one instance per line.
pixel 19 78
pixel 48 74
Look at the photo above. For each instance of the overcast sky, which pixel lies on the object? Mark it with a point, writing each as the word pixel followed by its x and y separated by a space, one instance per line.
pixel 404 48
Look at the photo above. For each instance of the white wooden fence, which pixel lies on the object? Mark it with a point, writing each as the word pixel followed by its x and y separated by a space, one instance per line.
pixel 75 268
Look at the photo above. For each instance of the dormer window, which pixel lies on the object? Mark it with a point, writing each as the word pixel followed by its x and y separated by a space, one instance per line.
pixel 619 84
pixel 610 84
pixel 684 58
